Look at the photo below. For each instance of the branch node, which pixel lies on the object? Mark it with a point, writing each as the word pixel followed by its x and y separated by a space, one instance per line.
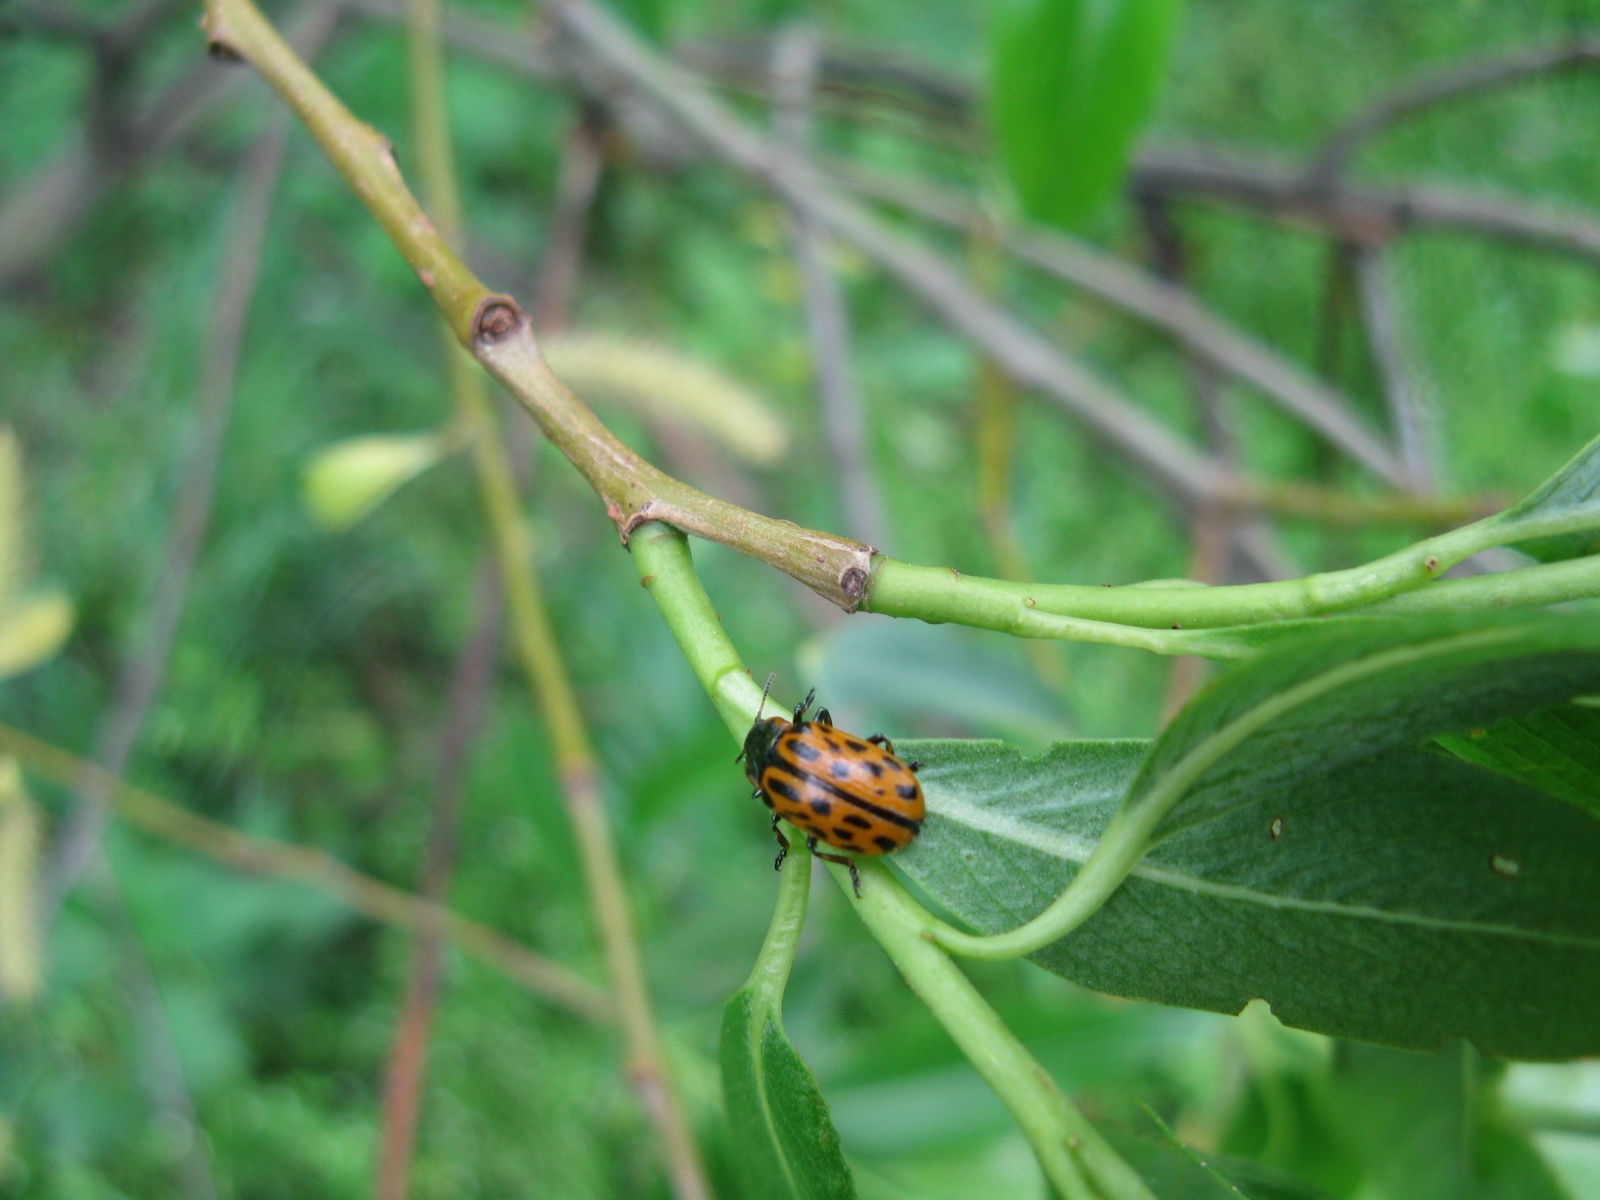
pixel 498 319
pixel 853 582
pixel 218 48
pixel 644 516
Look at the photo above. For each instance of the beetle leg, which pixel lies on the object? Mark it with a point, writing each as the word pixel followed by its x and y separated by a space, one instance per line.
pixel 824 717
pixel 855 876
pixel 913 766
pixel 783 844
pixel 800 709
pixel 878 739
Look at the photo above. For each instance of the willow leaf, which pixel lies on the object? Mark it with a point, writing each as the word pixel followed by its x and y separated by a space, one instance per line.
pixel 1310 851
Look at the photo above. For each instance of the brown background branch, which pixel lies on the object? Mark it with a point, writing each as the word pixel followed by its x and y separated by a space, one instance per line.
pixel 1331 162
pixel 40 213
pixel 795 56
pixel 1028 357
pixel 464 708
pixel 1358 214
pixel 1166 304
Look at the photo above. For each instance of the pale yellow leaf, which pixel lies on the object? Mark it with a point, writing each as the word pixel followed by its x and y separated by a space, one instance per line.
pixel 32 628
pixel 348 479
pixel 662 383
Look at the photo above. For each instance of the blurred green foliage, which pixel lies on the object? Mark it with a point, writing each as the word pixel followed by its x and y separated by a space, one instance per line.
pixel 305 691
pixel 1071 84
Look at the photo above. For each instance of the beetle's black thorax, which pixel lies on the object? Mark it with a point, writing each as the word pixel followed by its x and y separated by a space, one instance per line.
pixel 758 744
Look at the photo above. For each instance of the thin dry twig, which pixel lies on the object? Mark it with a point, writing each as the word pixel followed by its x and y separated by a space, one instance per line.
pixel 140 679
pixel 745 63
pixel 142 673
pixel 1214 530
pixel 500 336
pixel 794 70
pixel 576 187
pixel 549 980
pixel 1332 161
pixel 1359 214
pixel 1027 356
pixel 1398 362
pixel 39 214
pixel 1165 304
pixel 1275 188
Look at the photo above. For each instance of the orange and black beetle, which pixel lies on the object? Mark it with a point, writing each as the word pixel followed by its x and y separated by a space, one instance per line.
pixel 853 794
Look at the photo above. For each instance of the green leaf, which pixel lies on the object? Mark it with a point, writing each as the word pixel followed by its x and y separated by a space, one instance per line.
pixel 1359 691
pixel 1427 1127
pixel 1557 749
pixel 1570 497
pixel 1071 84
pixel 1176 1171
pixel 785 1142
pixel 1312 855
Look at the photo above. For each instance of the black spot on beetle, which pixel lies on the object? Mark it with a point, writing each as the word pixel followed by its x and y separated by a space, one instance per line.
pixel 839 768
pixel 777 786
pixel 855 744
pixel 875 768
pixel 833 745
pixel 858 822
pixel 884 843
pixel 805 751
pixel 906 791
pixel 821 807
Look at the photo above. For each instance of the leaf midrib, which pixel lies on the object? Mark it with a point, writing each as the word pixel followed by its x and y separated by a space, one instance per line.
pixel 1075 849
pixel 757 1043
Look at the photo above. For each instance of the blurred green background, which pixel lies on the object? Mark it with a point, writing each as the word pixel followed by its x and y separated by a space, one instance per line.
pixel 306 685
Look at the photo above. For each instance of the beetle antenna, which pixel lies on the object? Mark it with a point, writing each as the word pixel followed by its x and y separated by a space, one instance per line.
pixel 764 692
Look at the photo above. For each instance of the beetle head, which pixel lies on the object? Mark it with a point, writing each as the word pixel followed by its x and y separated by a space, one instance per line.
pixel 758 744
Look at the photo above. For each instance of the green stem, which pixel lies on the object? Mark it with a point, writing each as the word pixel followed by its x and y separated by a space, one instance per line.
pixel 937 594
pixel 771 973
pixel 1526 587
pixel 497 333
pixel 1059 1133
pixel 661 555
pixel 1078 1162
